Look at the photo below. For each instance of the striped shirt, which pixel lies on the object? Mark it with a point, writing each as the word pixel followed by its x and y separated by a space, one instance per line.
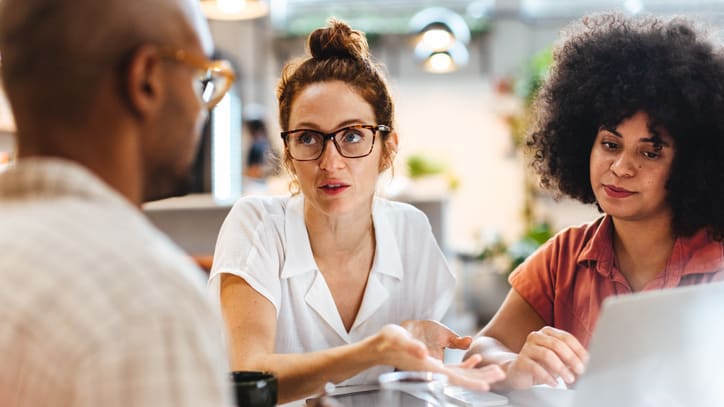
pixel 97 308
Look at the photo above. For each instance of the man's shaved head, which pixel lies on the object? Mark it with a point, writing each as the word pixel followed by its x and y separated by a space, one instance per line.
pixel 54 51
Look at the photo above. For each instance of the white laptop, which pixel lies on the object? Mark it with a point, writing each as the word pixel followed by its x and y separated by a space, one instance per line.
pixel 659 349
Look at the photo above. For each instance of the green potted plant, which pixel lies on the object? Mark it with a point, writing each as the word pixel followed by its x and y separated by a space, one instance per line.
pixel 420 167
pixel 484 277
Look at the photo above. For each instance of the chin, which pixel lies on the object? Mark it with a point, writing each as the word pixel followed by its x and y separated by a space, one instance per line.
pixel 168 188
pixel 625 215
pixel 337 208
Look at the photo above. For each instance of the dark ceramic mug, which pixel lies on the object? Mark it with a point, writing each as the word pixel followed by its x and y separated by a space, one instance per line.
pixel 254 389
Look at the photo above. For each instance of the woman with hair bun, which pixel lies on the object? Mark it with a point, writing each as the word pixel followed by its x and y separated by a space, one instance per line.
pixel 630 119
pixel 316 287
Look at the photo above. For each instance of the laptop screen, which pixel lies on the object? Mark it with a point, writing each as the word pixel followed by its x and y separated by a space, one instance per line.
pixel 658 348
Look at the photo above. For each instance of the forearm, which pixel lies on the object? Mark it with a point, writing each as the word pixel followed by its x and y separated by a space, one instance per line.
pixel 303 374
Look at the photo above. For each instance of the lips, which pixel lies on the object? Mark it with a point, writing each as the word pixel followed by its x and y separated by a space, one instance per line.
pixel 617 192
pixel 333 186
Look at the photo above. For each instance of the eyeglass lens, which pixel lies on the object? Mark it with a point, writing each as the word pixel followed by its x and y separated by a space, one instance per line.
pixel 211 86
pixel 208 88
pixel 351 142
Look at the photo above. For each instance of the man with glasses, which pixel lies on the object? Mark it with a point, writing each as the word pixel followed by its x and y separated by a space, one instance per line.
pixel 97 308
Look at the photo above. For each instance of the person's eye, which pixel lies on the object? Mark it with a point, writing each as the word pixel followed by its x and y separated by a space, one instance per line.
pixel 307 138
pixel 609 145
pixel 352 136
pixel 651 154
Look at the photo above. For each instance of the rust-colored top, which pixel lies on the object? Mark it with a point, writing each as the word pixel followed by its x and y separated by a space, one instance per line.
pixel 568 278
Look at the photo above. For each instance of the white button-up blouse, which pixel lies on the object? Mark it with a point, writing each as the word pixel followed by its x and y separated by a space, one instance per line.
pixel 264 241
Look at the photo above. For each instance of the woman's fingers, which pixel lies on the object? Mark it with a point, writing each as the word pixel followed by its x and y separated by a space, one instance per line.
pixel 475 379
pixel 541 375
pixel 394 340
pixel 460 342
pixel 470 362
pixel 525 372
pixel 569 349
pixel 436 336
pixel 492 373
pixel 547 354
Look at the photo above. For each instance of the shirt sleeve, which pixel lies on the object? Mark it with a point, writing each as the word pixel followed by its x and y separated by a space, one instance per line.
pixel 250 246
pixel 535 279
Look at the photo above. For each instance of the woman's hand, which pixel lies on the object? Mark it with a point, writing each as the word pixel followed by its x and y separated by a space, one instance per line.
pixel 547 354
pixel 397 347
pixel 436 336
pixel 466 375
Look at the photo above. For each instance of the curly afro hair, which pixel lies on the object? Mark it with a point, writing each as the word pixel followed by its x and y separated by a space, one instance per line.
pixel 610 66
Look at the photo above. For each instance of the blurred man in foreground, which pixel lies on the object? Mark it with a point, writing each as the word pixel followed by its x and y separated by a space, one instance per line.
pixel 97 308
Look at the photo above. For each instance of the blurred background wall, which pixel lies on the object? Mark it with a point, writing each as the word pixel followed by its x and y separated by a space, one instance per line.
pixel 459 129
pixel 462 104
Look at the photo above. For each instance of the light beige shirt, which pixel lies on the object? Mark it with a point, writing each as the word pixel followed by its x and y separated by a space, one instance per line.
pixel 97 308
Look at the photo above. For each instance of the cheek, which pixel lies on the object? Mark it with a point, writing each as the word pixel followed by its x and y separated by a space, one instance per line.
pixel 201 118
pixel 372 172
pixel 660 179
pixel 194 126
pixel 295 171
pixel 595 167
pixel 593 162
pixel 305 174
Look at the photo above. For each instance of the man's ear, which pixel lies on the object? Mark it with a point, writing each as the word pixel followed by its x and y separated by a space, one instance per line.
pixel 142 81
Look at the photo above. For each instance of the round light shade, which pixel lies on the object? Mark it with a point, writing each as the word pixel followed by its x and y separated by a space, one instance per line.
pixel 442 61
pixel 439 62
pixel 434 17
pixel 437 39
pixel 234 9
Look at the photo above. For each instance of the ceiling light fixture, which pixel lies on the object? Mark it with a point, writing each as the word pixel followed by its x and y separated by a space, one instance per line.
pixel 439 62
pixel 442 38
pixel 633 6
pixel 437 38
pixel 232 10
pixel 443 61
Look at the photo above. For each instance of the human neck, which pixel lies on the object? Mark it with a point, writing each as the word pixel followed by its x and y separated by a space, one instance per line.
pixel 110 153
pixel 339 236
pixel 642 249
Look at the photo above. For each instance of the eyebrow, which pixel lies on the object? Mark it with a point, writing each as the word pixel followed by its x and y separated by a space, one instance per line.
pixel 310 125
pixel 655 139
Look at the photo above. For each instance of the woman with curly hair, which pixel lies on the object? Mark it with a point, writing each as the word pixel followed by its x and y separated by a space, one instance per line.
pixel 316 287
pixel 631 119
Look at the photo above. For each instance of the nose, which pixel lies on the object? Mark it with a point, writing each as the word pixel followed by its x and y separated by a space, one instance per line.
pixel 331 158
pixel 623 166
